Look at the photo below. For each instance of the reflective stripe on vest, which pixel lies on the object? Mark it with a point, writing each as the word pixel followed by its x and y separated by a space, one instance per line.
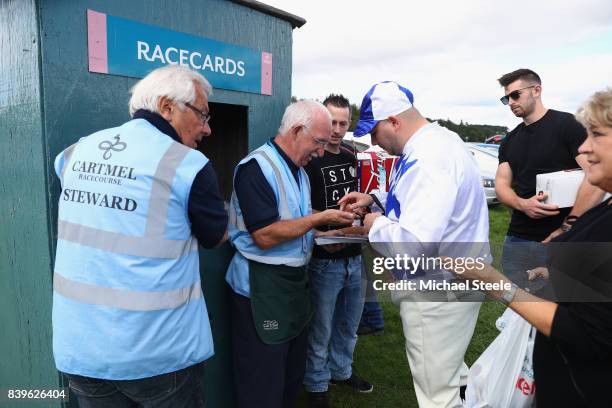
pixel 284 212
pixel 160 190
pixel 152 244
pixel 125 299
pixel 292 201
pixel 152 247
pixel 271 164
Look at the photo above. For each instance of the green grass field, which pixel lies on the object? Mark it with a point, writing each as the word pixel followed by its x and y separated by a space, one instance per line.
pixel 382 360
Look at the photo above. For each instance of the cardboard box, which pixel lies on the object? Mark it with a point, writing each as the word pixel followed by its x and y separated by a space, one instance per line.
pixel 561 186
pixel 374 171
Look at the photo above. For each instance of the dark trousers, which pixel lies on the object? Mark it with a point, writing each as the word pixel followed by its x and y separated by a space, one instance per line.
pixel 372 316
pixel 178 389
pixel 267 376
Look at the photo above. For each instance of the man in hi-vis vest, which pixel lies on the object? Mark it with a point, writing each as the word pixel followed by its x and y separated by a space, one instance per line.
pixel 271 226
pixel 129 320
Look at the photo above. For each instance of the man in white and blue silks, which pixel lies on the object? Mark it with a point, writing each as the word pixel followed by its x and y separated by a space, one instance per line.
pixel 130 325
pixel 435 205
pixel 271 226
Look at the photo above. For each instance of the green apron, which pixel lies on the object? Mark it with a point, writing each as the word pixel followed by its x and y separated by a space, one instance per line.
pixel 280 301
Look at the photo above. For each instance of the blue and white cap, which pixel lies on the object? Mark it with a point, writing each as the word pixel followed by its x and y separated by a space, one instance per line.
pixel 382 100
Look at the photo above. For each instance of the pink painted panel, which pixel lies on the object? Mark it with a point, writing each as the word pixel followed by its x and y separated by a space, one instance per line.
pixel 266 73
pixel 97 47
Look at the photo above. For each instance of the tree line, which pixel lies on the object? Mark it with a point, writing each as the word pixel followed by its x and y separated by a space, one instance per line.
pixel 468 132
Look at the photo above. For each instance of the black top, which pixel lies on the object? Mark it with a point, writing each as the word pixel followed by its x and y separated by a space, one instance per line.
pixel 331 177
pixel 255 195
pixel 573 368
pixel 205 206
pixel 548 145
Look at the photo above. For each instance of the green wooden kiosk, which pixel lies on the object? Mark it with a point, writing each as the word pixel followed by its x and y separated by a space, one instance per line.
pixel 66 67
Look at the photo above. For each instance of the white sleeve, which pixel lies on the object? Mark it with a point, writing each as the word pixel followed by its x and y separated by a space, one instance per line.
pixel 409 244
pixel 426 196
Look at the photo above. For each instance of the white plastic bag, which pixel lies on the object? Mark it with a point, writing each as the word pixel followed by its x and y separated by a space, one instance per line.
pixel 502 377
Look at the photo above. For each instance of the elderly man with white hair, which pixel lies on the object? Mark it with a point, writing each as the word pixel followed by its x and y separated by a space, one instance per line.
pixel 130 324
pixel 271 226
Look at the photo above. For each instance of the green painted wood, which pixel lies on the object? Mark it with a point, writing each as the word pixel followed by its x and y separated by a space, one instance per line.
pixel 25 243
pixel 48 100
pixel 218 375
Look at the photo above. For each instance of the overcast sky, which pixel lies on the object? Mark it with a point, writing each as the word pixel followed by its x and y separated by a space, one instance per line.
pixel 450 53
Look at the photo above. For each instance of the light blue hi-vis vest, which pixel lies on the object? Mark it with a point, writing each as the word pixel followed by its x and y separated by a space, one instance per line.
pixel 293 202
pixel 127 299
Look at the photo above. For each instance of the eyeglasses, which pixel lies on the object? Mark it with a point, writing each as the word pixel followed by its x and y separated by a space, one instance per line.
pixel 204 117
pixel 318 141
pixel 513 95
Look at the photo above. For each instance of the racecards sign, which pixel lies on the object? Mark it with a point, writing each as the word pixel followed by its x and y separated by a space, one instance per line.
pixel 118 46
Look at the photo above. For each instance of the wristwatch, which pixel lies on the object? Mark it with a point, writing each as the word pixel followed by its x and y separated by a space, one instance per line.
pixel 508 295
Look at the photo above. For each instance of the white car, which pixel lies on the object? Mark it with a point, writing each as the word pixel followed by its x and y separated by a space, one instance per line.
pixel 361 143
pixel 487 161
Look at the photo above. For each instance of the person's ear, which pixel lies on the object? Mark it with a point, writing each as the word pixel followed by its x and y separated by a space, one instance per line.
pixel 165 106
pixel 394 121
pixel 295 131
pixel 537 91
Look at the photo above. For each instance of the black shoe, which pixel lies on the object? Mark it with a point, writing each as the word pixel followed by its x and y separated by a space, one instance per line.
pixel 370 331
pixel 318 400
pixel 356 383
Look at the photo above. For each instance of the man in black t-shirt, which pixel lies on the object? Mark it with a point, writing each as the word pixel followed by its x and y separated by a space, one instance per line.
pixel 334 271
pixel 546 141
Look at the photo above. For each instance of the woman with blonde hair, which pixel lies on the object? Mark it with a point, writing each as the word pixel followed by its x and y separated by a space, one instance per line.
pixel 573 350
